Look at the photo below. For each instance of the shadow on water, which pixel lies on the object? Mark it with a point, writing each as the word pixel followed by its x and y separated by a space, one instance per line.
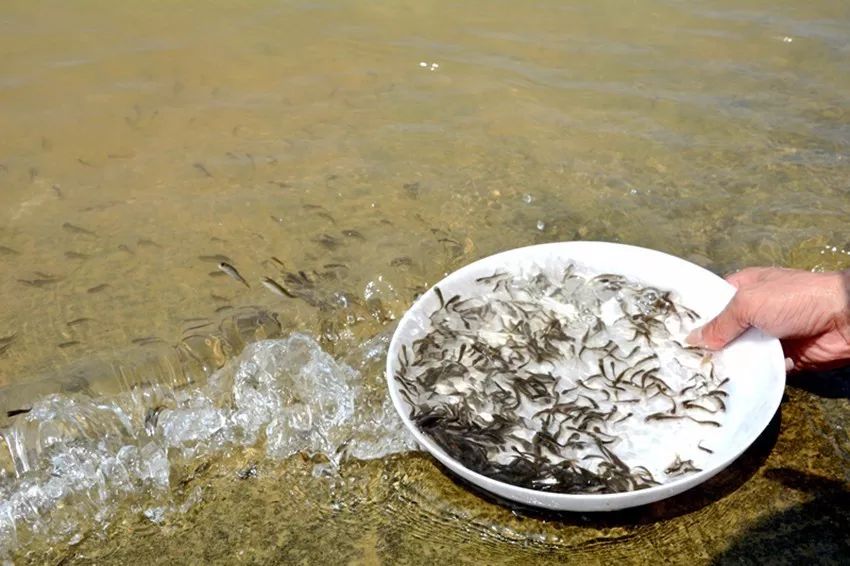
pixel 832 384
pixel 716 488
pixel 816 531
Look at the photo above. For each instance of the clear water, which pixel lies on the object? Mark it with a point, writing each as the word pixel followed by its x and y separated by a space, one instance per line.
pixel 141 142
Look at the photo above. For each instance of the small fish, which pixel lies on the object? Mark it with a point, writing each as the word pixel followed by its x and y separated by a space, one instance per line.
pixel 83 162
pixel 148 243
pixel 8 339
pixel 144 341
pixel 327 241
pixel 16 412
pixel 4 250
pixel 39 282
pixel 77 321
pixel 58 190
pixel 326 216
pixel 74 229
pixel 218 298
pixel 353 234
pixel 124 248
pixel 232 272
pixel 200 167
pixel 76 255
pixel 68 344
pixel 276 288
pixel 247 472
pixel 97 288
pixel 197 326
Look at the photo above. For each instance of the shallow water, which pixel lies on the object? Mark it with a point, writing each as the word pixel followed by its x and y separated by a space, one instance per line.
pixel 140 142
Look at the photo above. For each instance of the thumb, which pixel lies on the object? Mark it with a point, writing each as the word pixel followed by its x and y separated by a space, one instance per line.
pixel 725 327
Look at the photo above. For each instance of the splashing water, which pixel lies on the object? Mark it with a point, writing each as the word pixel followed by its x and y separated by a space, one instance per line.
pixel 74 456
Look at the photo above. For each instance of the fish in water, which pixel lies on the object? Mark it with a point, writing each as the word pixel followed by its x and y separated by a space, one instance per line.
pixel 232 272
pixel 39 282
pixel 16 412
pixel 6 342
pixel 74 229
pixel 276 288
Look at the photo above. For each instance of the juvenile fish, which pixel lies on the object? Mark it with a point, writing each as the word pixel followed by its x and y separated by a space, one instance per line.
pixel 74 229
pixel 16 412
pixel 200 167
pixel 276 288
pixel 232 272
pixel 38 282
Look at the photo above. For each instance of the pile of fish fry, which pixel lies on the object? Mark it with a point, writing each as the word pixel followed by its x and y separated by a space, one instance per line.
pixel 539 379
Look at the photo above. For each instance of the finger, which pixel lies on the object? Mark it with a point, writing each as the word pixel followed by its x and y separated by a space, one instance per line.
pixel 745 277
pixel 725 327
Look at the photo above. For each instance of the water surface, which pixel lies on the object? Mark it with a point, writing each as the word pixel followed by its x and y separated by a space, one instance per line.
pixel 376 147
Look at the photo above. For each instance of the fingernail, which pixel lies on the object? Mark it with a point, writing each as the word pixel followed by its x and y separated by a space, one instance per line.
pixel 789 364
pixel 695 337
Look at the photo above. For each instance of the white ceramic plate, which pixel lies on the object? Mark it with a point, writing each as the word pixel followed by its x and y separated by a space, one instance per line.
pixel 754 362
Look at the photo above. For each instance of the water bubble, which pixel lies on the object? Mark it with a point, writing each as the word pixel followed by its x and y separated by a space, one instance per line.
pixel 74 456
pixel 527 198
pixel 541 225
pixel 155 514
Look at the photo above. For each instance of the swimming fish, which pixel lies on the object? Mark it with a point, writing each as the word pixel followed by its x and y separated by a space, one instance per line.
pixel 232 272
pixel 276 288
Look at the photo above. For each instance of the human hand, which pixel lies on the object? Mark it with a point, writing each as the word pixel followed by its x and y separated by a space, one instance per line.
pixel 808 312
